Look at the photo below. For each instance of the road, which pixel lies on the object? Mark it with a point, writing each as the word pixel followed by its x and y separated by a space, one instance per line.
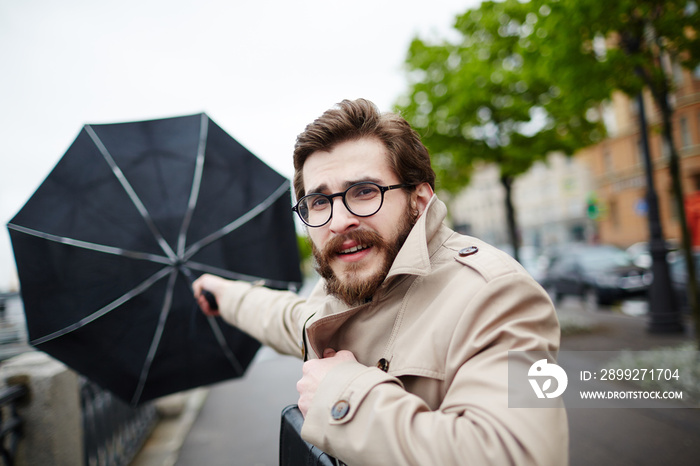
pixel 239 423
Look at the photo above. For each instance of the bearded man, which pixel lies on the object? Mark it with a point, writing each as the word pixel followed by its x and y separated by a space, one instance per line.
pixel 406 335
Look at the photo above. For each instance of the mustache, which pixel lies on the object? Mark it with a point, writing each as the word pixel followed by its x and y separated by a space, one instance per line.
pixel 361 237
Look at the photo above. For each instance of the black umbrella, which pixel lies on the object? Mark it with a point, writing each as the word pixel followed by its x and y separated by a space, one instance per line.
pixel 106 249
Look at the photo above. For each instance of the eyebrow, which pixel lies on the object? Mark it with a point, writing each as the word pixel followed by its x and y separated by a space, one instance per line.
pixel 320 189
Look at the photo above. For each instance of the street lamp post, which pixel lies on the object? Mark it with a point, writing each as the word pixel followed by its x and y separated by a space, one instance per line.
pixel 664 316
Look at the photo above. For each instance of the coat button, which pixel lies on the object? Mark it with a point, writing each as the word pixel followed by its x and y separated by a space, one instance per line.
pixel 340 410
pixel 383 364
pixel 468 251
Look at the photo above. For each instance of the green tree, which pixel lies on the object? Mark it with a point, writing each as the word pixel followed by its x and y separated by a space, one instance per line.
pixel 635 44
pixel 305 254
pixel 486 97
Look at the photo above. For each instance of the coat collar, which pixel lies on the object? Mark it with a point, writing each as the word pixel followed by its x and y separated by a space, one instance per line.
pixel 425 238
pixel 422 242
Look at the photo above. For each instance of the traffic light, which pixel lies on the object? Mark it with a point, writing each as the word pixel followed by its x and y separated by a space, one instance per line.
pixel 592 208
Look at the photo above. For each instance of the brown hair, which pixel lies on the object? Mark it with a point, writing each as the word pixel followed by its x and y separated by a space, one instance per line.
pixel 356 119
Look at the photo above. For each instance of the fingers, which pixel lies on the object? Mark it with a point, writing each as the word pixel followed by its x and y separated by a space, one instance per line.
pixel 206 308
pixel 214 286
pixel 197 286
pixel 344 355
pixel 306 386
pixel 313 373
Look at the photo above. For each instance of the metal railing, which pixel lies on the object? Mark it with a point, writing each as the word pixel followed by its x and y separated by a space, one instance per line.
pixel 114 431
pixel 10 422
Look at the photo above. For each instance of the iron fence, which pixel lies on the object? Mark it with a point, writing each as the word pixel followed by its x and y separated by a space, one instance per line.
pixel 10 422
pixel 114 431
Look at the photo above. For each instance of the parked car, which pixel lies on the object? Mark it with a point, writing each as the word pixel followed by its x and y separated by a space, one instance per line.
pixel 599 274
pixel 639 252
pixel 679 279
pixel 529 258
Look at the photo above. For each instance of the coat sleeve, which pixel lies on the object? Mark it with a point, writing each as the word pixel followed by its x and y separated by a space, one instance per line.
pixel 384 424
pixel 270 316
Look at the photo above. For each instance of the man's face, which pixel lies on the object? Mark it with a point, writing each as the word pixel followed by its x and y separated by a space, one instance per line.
pixel 354 254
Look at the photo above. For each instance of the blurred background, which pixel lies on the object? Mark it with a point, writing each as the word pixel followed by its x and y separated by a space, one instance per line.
pixel 565 132
pixel 261 70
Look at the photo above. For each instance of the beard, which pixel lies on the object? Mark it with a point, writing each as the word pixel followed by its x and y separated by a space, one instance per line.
pixel 352 290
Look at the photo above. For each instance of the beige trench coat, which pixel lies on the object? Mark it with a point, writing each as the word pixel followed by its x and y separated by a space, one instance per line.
pixel 441 327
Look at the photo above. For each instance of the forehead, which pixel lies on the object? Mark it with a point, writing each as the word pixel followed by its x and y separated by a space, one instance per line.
pixel 348 162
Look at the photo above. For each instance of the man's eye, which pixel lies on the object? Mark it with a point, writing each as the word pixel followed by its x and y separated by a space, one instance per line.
pixel 365 192
pixel 319 203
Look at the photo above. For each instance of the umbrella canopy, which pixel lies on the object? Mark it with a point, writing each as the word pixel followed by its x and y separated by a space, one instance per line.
pixel 106 249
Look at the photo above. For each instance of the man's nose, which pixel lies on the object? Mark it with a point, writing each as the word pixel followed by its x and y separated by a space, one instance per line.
pixel 342 219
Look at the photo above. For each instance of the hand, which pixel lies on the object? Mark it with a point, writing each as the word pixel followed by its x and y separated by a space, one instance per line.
pixel 215 285
pixel 314 371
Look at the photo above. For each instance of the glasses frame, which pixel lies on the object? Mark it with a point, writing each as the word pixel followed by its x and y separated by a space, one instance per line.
pixel 382 190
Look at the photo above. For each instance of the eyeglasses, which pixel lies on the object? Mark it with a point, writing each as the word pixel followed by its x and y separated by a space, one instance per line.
pixel 361 199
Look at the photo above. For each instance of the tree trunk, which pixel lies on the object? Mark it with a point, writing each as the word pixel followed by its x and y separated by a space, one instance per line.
pixel 675 172
pixel 507 182
pixel 660 95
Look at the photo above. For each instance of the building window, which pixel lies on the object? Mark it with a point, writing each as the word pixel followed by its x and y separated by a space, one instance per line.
pixel 677 73
pixel 607 161
pixel 666 146
pixel 686 139
pixel 640 152
pixel 673 205
pixel 695 179
pixel 664 150
pixel 612 212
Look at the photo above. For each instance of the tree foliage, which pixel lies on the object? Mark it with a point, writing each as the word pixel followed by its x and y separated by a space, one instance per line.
pixel 490 96
pixel 525 78
pixel 636 44
pixel 493 96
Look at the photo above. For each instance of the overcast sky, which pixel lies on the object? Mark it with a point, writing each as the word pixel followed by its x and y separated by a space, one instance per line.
pixel 262 70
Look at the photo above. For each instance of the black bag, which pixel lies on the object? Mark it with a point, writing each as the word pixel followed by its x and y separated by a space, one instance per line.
pixel 294 450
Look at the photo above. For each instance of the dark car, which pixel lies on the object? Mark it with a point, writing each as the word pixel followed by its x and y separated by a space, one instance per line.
pixel 679 279
pixel 599 274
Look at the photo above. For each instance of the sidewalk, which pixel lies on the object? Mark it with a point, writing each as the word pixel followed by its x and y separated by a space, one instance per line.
pixel 230 423
pixel 237 422
pixel 629 436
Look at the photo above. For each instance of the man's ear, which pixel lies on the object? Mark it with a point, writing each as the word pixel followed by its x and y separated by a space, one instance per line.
pixel 421 197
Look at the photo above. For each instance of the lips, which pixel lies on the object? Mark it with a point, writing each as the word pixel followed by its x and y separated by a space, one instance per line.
pixel 353 246
pixel 354 249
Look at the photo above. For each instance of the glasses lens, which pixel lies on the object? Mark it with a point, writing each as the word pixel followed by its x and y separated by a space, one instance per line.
pixel 314 209
pixel 364 199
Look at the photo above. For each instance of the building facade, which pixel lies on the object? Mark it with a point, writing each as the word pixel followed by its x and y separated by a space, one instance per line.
pixel 549 202
pixel 599 194
pixel 618 169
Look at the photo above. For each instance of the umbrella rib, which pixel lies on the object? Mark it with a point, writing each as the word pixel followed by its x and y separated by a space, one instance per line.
pixel 240 221
pixel 143 286
pixel 164 312
pixel 196 184
pixel 91 246
pixel 224 346
pixel 131 193
pixel 240 276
